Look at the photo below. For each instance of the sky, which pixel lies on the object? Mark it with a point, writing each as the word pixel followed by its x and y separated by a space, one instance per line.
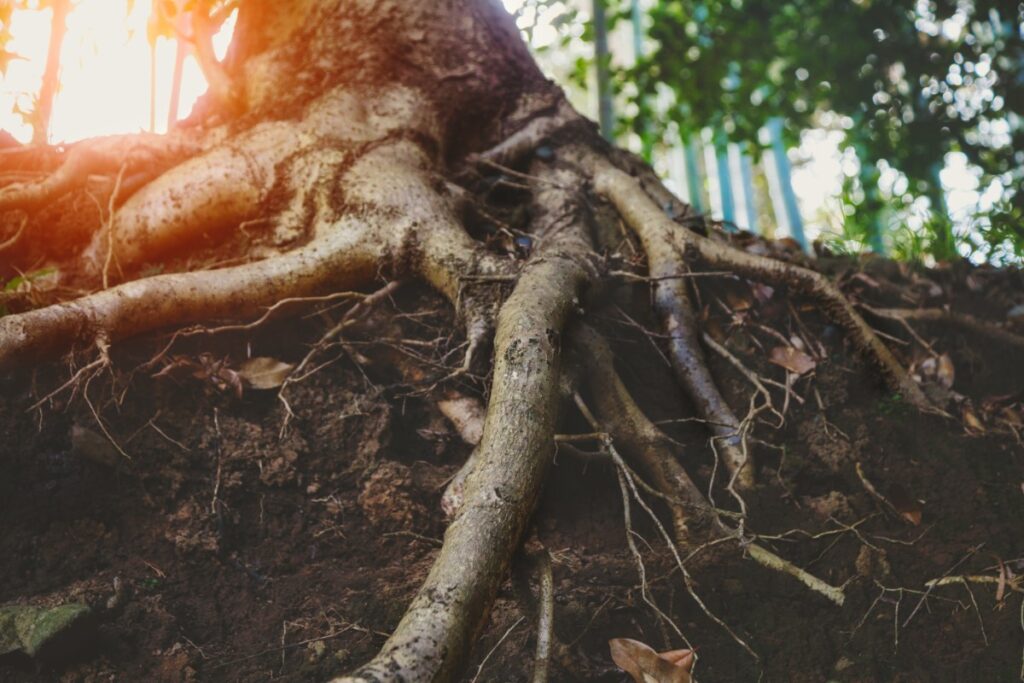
pixel 105 89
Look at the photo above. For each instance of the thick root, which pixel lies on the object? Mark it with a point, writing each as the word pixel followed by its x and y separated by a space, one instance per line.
pixel 100 155
pixel 437 632
pixel 673 305
pixel 345 259
pixel 204 196
pixel 962 320
pixel 640 440
pixel 638 210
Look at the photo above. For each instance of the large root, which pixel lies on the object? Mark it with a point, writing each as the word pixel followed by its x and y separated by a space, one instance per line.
pixel 436 633
pixel 345 259
pixel 638 210
pixel 667 271
pixel 147 152
pixel 695 521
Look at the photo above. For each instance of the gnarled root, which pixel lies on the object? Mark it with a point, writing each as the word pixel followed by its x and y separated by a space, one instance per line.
pixel 695 521
pixel 434 636
pixel 638 210
pixel 148 152
pixel 964 321
pixel 667 270
pixel 344 260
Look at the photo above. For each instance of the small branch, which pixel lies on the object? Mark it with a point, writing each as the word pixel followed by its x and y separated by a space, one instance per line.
pixel 962 320
pixel 11 241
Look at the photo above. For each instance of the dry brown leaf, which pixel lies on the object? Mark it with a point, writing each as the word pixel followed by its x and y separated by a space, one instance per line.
pixel 906 505
pixel 738 301
pixel 944 371
pixel 792 359
pixel 972 423
pixel 647 666
pixel 264 373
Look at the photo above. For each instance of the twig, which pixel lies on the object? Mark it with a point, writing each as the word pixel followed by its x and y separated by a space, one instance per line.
pixel 110 225
pixel 10 242
pixel 496 646
pixel 545 619
pixel 949 571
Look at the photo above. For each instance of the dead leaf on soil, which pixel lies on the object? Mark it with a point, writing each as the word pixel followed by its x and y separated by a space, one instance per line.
pixel 264 373
pixel 792 359
pixel 972 423
pixel 647 666
pixel 906 505
pixel 945 372
pixel 899 502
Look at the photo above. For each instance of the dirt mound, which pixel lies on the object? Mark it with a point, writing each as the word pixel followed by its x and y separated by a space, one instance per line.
pixel 227 545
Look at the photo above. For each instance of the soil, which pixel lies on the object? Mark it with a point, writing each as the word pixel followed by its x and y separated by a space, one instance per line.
pixel 249 550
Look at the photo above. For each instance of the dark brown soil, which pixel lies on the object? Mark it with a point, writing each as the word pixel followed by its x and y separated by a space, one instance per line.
pixel 245 555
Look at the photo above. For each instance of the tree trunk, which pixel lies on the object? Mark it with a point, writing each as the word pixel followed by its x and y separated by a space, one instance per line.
pixel 44 105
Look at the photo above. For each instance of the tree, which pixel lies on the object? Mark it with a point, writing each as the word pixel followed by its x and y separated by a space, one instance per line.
pixel 915 81
pixel 358 132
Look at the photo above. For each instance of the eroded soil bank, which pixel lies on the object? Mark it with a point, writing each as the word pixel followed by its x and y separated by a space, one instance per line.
pixel 245 554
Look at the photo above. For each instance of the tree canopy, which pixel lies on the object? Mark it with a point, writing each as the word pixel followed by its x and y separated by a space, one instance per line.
pixel 911 82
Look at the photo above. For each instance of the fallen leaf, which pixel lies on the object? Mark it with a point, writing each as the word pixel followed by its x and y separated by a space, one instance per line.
pixel 647 666
pixel 264 373
pixel 906 505
pixel 944 371
pixel 683 658
pixel 792 359
pixel 972 423
pixel 739 300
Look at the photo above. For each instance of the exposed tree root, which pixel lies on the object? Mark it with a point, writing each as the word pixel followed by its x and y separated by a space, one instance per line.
pixel 638 210
pixel 541 609
pixel 361 188
pixel 964 321
pixel 431 641
pixel 667 271
pixel 99 155
pixel 345 260
pixel 696 522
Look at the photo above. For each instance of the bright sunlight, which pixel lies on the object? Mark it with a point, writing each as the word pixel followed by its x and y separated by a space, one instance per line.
pixel 105 72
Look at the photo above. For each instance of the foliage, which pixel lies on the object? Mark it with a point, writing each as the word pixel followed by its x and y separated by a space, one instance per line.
pixel 914 81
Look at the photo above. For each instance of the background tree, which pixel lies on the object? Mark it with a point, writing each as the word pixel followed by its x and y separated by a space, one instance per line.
pixel 915 81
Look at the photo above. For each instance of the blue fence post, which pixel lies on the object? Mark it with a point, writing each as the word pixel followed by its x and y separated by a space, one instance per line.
pixel 693 183
pixel 785 175
pixel 750 201
pixel 724 180
pixel 605 113
pixel 873 200
pixel 637 19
